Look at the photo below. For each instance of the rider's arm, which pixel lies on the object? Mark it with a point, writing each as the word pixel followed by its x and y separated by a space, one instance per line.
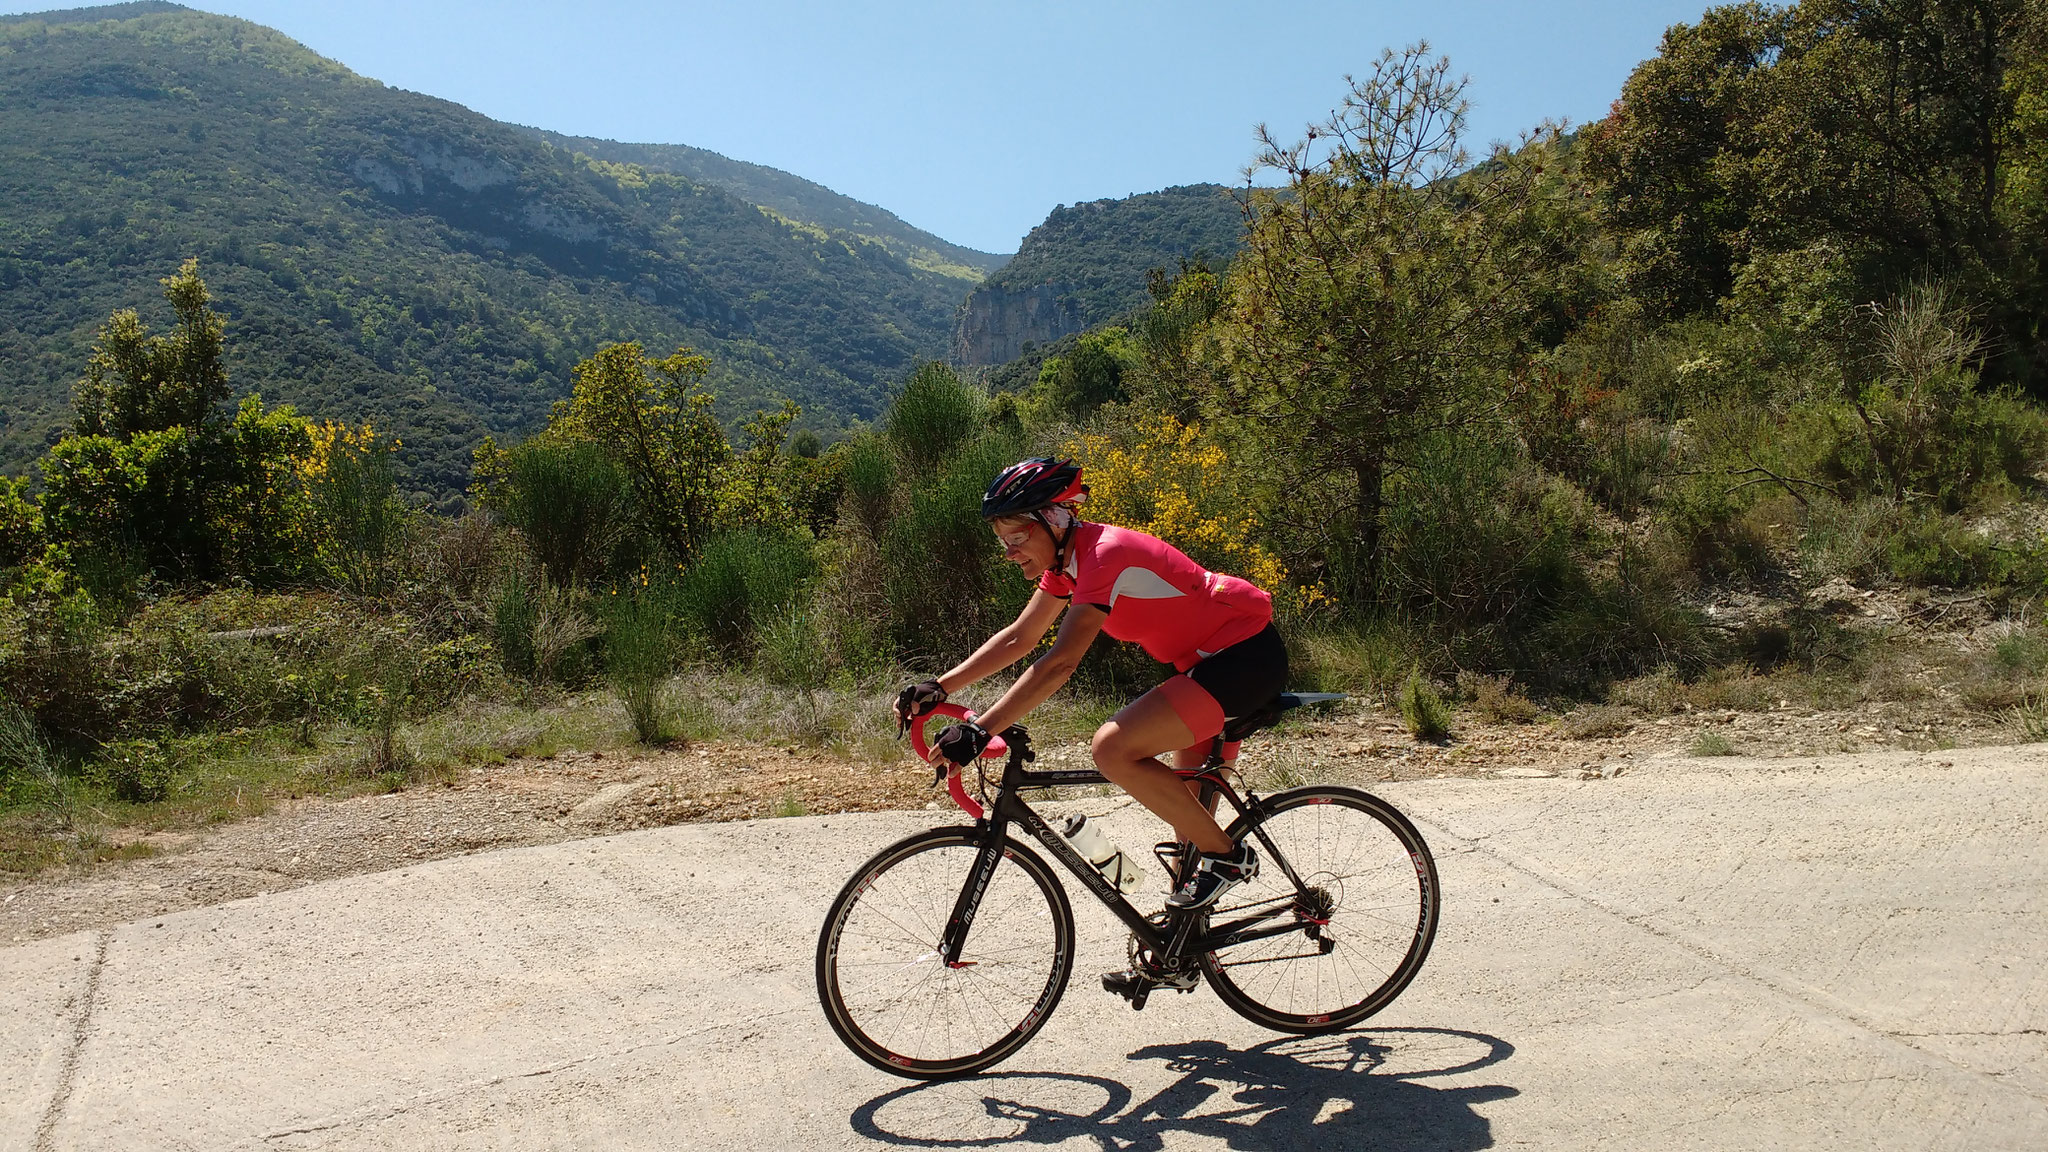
pixel 1008 646
pixel 1049 671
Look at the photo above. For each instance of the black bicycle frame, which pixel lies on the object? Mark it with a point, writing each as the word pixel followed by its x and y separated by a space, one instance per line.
pixel 1173 945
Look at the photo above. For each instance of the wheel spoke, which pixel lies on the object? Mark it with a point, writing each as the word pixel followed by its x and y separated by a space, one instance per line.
pixel 892 998
pixel 1357 858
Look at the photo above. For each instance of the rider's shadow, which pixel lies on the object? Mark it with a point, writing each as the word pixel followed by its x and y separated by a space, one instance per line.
pixel 1346 1091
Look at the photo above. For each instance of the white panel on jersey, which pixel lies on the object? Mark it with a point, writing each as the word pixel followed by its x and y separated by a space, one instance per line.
pixel 1142 584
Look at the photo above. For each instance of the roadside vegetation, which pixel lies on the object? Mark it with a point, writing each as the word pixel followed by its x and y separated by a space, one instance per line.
pixel 1640 420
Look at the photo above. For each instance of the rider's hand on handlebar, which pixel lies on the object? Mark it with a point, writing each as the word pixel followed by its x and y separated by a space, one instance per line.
pixel 917 699
pixel 962 743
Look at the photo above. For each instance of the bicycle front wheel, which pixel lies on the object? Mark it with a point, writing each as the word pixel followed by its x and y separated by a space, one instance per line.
pixel 1366 910
pixel 899 1006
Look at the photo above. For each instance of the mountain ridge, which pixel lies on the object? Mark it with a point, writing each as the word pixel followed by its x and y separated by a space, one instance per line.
pixel 389 256
pixel 791 196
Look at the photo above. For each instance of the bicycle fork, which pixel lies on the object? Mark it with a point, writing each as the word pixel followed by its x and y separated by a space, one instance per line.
pixel 953 941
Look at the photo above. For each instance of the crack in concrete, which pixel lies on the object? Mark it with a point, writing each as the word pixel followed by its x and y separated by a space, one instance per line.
pixel 1812 999
pixel 67 1073
pixel 443 1095
pixel 2007 1032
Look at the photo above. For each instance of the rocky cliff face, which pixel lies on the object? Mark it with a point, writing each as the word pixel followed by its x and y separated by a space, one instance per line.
pixel 996 322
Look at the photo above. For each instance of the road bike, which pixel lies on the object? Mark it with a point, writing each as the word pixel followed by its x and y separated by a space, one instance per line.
pixel 949 949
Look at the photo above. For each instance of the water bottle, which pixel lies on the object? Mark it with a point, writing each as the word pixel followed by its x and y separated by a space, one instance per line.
pixel 1096 848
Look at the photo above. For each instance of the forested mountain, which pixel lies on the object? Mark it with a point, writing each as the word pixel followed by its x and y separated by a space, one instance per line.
pixel 1087 263
pixel 794 197
pixel 388 256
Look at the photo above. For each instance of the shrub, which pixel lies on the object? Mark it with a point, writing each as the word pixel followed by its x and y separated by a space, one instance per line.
pixel 638 658
pixel 21 528
pixel 1372 658
pixel 28 771
pixel 1423 709
pixel 870 483
pixel 571 504
pixel 2029 720
pixel 945 582
pixel 1160 476
pixel 52 660
pixel 136 771
pixel 740 578
pixel 1496 699
pixel 792 651
pixel 512 615
pixel 1932 549
pixel 355 502
pixel 1712 742
pixel 542 632
pixel 1595 722
pixel 933 418
pixel 390 697
pixel 2021 652
pixel 1481 546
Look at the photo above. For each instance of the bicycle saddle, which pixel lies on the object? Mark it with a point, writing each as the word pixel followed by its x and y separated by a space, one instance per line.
pixel 1240 727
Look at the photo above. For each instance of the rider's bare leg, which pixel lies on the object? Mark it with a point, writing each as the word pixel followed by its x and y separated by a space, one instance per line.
pixel 1195 757
pixel 1127 751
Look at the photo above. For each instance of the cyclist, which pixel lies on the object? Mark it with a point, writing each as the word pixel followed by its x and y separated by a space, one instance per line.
pixel 1215 630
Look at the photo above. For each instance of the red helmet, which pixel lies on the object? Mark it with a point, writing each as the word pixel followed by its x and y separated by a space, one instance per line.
pixel 1032 485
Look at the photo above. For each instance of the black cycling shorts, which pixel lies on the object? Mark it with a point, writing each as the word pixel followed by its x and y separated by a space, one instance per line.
pixel 1247 675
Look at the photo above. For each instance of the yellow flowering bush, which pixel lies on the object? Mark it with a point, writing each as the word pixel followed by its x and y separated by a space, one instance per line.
pixel 359 517
pixel 1159 476
pixel 333 439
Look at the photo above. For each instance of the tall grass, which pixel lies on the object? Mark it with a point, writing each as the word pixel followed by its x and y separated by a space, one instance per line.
pixel 542 630
pixel 28 771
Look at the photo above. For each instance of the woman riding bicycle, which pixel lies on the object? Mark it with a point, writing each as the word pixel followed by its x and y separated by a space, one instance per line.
pixel 1215 630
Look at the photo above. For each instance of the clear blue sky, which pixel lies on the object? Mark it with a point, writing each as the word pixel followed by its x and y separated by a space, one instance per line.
pixel 968 119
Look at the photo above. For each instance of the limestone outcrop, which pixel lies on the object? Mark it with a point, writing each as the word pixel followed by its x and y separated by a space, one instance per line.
pixel 996 322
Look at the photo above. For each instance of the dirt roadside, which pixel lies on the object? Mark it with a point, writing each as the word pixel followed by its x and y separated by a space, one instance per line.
pixel 578 794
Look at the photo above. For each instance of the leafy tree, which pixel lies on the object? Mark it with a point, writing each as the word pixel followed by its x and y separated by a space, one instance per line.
pixel 1089 376
pixel 1875 137
pixel 1370 302
pixel 1175 361
pixel 1670 190
pixel 158 474
pixel 21 526
pixel 758 488
pixel 655 421
pixel 136 382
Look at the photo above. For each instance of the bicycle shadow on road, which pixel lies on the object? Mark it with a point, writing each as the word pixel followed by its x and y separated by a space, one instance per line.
pixel 1340 1091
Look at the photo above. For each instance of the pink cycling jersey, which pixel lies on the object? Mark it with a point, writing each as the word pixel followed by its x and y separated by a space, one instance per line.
pixel 1177 610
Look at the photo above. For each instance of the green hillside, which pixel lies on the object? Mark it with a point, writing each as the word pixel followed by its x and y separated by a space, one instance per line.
pixel 793 197
pixel 1100 251
pixel 389 256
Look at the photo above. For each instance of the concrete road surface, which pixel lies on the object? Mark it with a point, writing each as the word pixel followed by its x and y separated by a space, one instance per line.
pixel 1698 954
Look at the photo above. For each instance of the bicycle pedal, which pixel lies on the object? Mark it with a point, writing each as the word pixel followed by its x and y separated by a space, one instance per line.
pixel 1132 986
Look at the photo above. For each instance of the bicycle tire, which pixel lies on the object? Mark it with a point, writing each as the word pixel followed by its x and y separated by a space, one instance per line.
pixel 897 1006
pixel 1382 905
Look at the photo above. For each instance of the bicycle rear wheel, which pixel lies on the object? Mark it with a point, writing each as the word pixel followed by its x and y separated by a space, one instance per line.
pixel 1369 879
pixel 896 1004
